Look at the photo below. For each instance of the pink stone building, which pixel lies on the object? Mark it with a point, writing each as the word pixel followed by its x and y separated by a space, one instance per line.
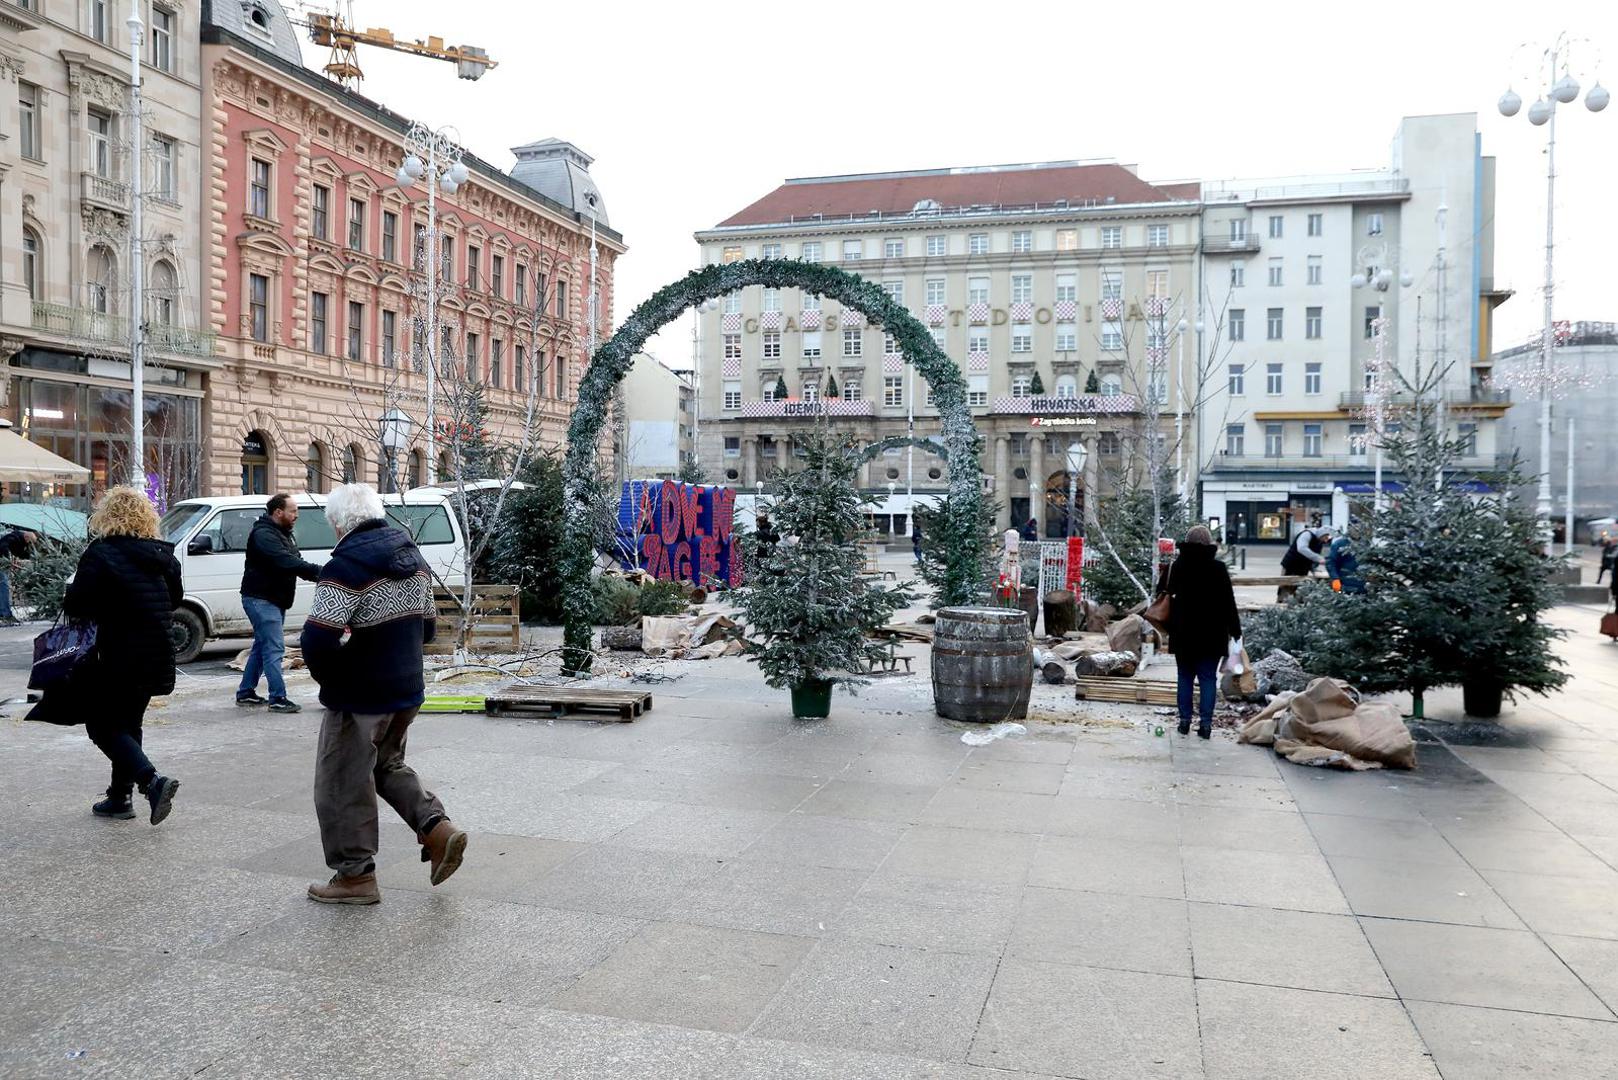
pixel 313 269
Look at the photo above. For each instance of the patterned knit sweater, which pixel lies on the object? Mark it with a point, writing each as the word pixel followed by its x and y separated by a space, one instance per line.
pixel 376 587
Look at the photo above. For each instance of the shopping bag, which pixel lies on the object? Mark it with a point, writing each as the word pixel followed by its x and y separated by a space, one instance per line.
pixel 1609 624
pixel 58 651
pixel 1235 657
pixel 1157 612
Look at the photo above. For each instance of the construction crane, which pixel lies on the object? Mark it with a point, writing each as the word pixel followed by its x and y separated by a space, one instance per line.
pixel 336 31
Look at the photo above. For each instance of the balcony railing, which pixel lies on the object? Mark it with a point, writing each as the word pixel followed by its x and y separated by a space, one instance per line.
pixel 100 190
pixel 1219 245
pixel 1295 462
pixel 1356 399
pixel 84 324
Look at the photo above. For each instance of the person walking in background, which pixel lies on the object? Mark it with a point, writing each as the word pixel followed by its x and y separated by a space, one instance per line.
pixel 767 537
pixel 1202 622
pixel 915 538
pixel 1609 555
pixel 14 547
pixel 1030 529
pixel 127 584
pixel 269 582
pixel 375 587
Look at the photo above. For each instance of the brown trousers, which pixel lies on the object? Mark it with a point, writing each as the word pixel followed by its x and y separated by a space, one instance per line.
pixel 361 756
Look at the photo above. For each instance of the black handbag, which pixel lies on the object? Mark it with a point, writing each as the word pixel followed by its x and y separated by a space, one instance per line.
pixel 59 651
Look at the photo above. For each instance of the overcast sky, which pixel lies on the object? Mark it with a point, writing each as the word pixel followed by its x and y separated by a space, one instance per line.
pixel 692 111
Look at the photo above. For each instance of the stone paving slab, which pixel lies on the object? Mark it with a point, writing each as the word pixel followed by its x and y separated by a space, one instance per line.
pixel 728 892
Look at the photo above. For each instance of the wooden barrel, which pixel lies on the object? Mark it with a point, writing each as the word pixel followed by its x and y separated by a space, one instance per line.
pixel 983 664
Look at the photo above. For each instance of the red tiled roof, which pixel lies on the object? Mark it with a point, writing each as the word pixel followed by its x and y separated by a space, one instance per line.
pixel 898 193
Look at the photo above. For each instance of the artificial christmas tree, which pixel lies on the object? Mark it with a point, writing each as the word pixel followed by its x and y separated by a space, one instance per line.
pixel 809 608
pixel 1037 386
pixel 1092 385
pixel 831 385
pixel 781 393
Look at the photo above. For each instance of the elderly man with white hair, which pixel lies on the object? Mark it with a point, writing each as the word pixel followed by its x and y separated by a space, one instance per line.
pixel 376 588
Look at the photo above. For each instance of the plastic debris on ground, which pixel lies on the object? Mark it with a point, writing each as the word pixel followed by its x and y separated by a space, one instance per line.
pixel 985 736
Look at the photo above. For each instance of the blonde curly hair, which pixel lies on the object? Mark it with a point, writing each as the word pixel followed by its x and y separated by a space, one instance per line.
pixel 124 511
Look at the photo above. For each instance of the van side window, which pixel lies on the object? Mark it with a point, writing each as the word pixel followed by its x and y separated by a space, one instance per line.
pixel 425 524
pixel 312 531
pixel 229 529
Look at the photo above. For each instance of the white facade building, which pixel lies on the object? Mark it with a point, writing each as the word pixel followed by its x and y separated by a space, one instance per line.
pixel 658 415
pixel 67 159
pixel 1048 285
pixel 1287 336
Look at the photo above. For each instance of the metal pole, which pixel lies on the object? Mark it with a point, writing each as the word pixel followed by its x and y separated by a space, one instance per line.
pixel 1378 406
pixel 910 433
pixel 1567 537
pixel 1443 340
pixel 1542 505
pixel 696 387
pixel 1179 418
pixel 137 307
pixel 432 310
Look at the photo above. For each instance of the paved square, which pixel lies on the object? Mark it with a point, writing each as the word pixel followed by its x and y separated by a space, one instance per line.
pixel 719 891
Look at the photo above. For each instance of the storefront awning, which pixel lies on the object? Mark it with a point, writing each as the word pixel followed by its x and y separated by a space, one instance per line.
pixel 1476 487
pixel 23 462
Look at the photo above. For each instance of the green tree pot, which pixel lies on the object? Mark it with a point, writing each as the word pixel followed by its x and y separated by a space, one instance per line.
pixel 811 699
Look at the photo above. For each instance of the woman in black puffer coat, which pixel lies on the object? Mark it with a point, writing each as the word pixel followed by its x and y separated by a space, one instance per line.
pixel 128 584
pixel 1202 622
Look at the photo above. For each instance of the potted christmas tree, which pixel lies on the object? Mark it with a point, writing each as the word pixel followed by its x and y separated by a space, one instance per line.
pixel 809 607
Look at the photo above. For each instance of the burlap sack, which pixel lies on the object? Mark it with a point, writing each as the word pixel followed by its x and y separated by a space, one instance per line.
pixel 1326 714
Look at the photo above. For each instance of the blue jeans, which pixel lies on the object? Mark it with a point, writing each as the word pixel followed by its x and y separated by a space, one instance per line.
pixel 5 595
pixel 269 646
pixel 1204 672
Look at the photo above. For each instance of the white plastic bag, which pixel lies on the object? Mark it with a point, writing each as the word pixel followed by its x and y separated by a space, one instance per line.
pixel 1233 657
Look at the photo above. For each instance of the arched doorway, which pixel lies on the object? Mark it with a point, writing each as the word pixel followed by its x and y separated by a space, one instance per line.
pixel 1058 522
pixel 960 534
pixel 256 464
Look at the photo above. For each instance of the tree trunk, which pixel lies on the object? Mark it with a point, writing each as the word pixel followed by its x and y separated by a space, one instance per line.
pixel 1061 613
pixel 621 638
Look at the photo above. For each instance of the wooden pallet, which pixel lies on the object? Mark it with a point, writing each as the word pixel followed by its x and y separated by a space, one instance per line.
pixel 453 703
pixel 1127 691
pixel 556 702
pixel 496 621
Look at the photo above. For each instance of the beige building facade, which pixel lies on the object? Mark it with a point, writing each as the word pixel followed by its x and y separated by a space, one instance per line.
pixel 1057 289
pixel 659 415
pixel 67 158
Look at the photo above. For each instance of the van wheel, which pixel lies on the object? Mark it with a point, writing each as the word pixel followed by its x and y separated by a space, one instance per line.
pixel 188 634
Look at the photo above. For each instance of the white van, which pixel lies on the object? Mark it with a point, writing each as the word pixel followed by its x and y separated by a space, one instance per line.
pixel 210 541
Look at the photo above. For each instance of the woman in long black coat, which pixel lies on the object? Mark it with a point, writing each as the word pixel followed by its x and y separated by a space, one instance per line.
pixel 128 584
pixel 1202 622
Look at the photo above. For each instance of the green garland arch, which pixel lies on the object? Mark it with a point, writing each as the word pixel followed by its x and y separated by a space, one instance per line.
pixel 963 540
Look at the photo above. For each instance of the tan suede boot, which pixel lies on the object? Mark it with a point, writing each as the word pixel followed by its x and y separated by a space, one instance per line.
pixel 443 846
pixel 347 890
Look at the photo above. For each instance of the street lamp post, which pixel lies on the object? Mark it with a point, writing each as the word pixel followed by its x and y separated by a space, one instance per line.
pixel 696 379
pixel 1381 279
pixel 137 260
pixel 1075 465
pixel 1179 411
pixel 1542 113
pixel 435 158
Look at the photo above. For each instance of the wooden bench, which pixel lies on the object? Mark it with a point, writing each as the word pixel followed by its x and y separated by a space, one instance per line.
pixel 496 619
pixel 1125 690
pixel 890 660
pixel 558 702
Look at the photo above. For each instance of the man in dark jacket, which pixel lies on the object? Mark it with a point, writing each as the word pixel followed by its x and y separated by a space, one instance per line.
pixel 376 586
pixel 14 547
pixel 269 582
pixel 1030 529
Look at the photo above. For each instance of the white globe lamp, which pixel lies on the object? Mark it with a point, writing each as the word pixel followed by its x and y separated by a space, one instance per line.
pixel 1566 89
pixel 412 167
pixel 1597 98
pixel 1510 102
pixel 1539 112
